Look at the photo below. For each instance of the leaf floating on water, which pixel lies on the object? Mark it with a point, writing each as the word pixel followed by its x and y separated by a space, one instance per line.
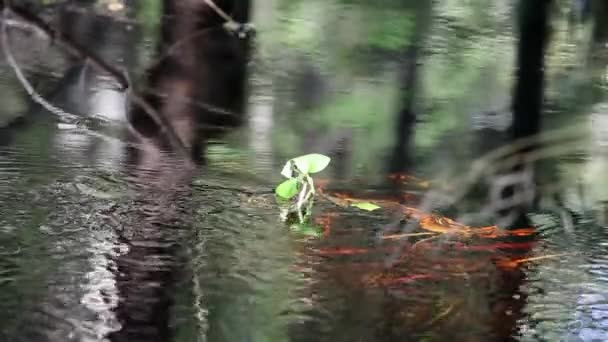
pixel 288 189
pixel 366 206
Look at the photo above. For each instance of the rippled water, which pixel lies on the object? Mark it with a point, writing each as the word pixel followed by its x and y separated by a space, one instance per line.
pixel 84 248
pixel 101 240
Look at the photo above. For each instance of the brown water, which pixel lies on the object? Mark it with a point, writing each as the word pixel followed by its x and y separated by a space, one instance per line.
pixel 99 246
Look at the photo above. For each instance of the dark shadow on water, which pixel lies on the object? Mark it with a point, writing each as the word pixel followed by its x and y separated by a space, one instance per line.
pixel 208 67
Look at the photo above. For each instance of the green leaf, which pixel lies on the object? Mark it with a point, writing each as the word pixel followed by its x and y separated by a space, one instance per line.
pixel 366 206
pixel 288 188
pixel 311 163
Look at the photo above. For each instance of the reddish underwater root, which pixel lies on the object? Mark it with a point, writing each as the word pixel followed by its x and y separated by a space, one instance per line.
pixel 415 264
pixel 428 221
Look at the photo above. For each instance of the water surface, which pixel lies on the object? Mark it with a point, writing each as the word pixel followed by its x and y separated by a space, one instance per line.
pixel 99 246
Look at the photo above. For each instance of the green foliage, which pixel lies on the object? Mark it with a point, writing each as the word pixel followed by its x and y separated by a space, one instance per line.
pixel 149 16
pixel 389 30
pixel 367 110
pixel 288 189
pixel 298 171
pixel 311 163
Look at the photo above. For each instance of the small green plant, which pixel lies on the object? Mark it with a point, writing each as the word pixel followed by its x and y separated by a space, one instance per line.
pixel 296 194
pixel 298 191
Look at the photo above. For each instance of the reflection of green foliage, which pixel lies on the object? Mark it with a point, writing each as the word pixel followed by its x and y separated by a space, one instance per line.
pixel 300 29
pixel 365 107
pixel 314 25
pixel 300 33
pixel 245 274
pixel 464 76
pixel 149 15
pixel 32 266
pixel 37 140
pixel 13 105
pixel 369 110
pixel 389 30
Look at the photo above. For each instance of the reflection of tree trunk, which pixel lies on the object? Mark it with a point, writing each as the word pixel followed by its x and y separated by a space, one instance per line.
pixel 598 51
pixel 199 85
pixel 528 94
pixel 147 271
pixel 600 24
pixel 508 300
pixel 408 83
pixel 206 70
pixel 527 100
pixel 407 116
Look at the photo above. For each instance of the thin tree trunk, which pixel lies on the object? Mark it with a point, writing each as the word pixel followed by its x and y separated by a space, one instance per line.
pixel 408 88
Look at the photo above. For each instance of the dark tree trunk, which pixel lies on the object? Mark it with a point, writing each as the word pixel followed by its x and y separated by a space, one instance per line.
pixel 199 84
pixel 406 118
pixel 528 97
pixel 528 94
pixel 600 21
pixel 508 300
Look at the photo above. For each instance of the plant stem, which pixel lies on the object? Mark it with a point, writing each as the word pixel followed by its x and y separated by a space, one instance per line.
pixel 301 198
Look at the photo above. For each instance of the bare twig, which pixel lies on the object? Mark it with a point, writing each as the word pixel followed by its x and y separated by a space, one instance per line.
pixel 24 26
pixel 197 103
pixel 220 11
pixel 241 29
